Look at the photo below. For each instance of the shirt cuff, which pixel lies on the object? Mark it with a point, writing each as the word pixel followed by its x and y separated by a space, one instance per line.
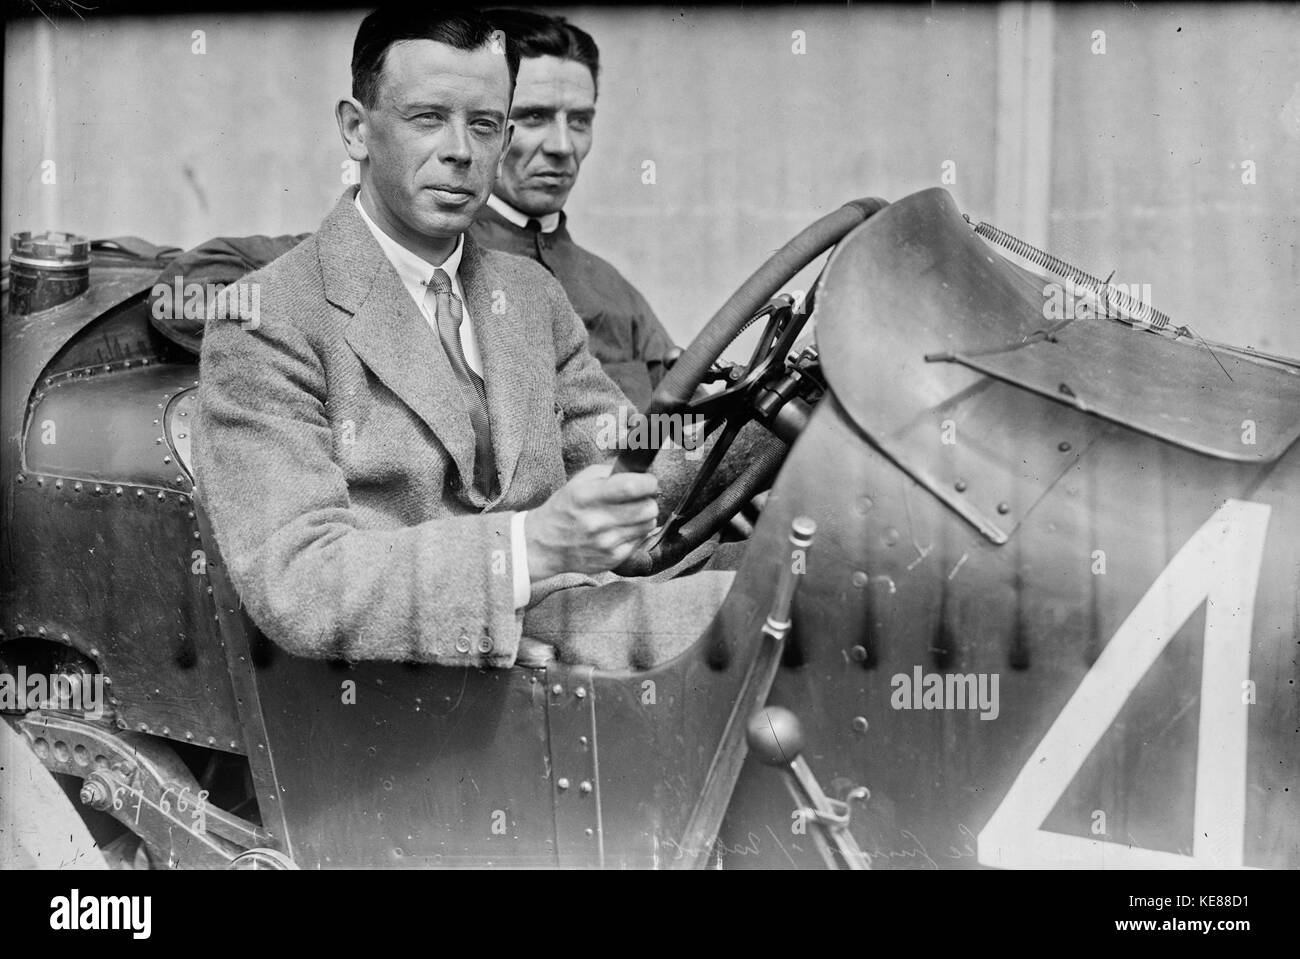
pixel 519 560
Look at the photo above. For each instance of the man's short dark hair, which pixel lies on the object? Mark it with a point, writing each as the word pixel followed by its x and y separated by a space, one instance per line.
pixel 463 29
pixel 541 35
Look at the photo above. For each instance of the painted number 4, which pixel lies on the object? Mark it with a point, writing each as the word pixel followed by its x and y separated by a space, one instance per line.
pixel 1220 564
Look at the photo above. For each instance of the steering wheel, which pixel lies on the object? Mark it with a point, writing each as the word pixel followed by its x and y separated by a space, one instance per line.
pixel 690 525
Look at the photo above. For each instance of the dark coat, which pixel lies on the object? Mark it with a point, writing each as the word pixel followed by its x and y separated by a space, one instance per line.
pixel 623 332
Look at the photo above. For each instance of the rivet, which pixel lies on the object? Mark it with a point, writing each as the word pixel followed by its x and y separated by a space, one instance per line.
pixel 139 493
pixel 40 481
pixel 189 735
pixel 580 692
pixel 1004 508
pixel 196 534
pixel 94 651
pixel 860 724
pixel 959 486
pixel 41 631
pixel 162 495
pixel 234 745
pixel 66 638
pixel 107 367
pixel 891 536
pixel 180 436
pixel 155 423
pixel 167 459
pixel 20 477
pixel 117 490
pixel 212 740
pixel 589 831
pixel 582 740
pixel 58 484
pixel 21 628
pixel 1063 446
pixel 561 783
pixel 859 578
pixel 858 654
pixel 556 690
pixel 77 488
pixel 143 727
pixel 98 488
pixel 158 441
pixel 166 731
pixel 584 787
pixel 190 514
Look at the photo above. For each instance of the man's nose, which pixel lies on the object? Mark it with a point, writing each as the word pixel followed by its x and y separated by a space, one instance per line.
pixel 454 144
pixel 558 142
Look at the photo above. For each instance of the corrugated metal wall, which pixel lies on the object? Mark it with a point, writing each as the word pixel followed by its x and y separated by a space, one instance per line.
pixel 1131 159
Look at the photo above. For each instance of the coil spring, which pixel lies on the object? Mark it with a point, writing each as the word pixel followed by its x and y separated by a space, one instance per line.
pixel 1129 307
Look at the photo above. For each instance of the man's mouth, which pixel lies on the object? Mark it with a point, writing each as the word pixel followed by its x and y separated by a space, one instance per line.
pixel 452 195
pixel 553 177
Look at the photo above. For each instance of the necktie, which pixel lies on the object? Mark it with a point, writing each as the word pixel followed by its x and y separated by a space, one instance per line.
pixel 448 312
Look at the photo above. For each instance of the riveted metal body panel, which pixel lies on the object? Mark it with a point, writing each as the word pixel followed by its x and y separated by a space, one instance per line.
pixel 105 550
pixel 109 426
pixel 387 765
pixel 921 286
pixel 899 585
pixel 575 766
pixel 122 576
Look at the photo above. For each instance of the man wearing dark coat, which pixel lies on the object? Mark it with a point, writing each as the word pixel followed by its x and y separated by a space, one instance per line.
pixel 554 112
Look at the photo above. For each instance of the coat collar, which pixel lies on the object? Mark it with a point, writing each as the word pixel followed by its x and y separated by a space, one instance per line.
pixel 390 335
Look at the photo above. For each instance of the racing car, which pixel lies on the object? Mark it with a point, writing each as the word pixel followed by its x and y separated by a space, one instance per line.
pixel 1023 593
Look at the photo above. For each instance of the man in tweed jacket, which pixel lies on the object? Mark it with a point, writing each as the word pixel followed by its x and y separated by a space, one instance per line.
pixel 335 455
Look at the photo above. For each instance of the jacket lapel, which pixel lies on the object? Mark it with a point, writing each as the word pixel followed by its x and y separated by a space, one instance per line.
pixel 389 333
pixel 510 367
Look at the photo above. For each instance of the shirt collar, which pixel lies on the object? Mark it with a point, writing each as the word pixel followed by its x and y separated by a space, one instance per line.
pixel 550 223
pixel 412 269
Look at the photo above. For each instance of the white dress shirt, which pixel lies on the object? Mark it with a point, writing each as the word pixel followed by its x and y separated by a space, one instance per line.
pixel 550 223
pixel 415 273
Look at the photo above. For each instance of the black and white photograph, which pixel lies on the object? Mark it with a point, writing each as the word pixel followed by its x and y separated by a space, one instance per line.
pixel 731 437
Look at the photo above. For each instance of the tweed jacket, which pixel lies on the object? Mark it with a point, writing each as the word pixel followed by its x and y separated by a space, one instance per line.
pixel 333 451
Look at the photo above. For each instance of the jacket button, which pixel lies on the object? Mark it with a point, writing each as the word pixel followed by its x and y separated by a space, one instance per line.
pixel 462 643
pixel 485 644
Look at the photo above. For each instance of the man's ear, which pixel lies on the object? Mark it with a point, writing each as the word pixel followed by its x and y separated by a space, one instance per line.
pixel 351 116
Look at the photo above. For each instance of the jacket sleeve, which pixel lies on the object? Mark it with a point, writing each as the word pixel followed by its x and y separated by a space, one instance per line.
pixel 591 407
pixel 311 576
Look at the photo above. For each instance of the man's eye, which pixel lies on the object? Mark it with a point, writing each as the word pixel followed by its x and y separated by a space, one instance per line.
pixel 486 126
pixel 532 117
pixel 580 123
